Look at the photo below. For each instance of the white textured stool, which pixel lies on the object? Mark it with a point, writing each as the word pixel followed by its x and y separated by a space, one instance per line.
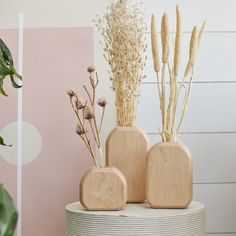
pixel 136 220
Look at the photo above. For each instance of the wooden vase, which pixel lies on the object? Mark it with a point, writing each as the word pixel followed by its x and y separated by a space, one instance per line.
pixel 126 149
pixel 169 176
pixel 103 189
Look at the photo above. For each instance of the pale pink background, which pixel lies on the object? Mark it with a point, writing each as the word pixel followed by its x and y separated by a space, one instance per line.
pixel 55 60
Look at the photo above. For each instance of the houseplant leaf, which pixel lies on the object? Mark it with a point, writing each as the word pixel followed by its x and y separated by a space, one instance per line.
pixel 8 213
pixel 6 54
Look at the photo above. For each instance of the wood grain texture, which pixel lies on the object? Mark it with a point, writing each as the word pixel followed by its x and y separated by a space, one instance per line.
pixel 126 149
pixel 169 176
pixel 103 189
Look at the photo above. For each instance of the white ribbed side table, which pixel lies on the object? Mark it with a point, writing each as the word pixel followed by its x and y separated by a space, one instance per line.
pixel 136 220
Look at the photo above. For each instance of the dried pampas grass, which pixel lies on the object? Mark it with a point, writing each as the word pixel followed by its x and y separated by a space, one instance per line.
pixel 170 128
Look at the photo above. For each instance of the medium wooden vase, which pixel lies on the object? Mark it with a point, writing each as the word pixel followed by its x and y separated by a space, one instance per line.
pixel 103 189
pixel 126 149
pixel 169 176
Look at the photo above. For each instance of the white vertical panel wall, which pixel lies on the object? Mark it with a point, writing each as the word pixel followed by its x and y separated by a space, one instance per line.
pixel 210 125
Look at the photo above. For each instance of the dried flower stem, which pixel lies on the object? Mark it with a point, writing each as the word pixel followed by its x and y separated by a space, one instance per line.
pixel 103 112
pixel 85 137
pixel 185 104
pixel 85 113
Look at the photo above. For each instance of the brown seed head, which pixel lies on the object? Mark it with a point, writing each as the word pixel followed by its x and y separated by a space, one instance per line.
pixel 88 114
pixel 102 102
pixel 80 130
pixel 80 104
pixel 91 69
pixel 71 93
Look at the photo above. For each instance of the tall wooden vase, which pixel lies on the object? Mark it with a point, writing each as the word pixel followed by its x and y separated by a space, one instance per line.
pixel 126 149
pixel 169 176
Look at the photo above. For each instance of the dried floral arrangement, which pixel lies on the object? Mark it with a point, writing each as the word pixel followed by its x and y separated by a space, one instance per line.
pixel 122 28
pixel 169 104
pixel 85 113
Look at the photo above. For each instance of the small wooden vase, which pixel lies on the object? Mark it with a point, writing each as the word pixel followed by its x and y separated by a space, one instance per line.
pixel 126 149
pixel 103 189
pixel 169 176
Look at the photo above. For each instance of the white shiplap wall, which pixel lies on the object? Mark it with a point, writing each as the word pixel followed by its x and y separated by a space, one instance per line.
pixel 210 126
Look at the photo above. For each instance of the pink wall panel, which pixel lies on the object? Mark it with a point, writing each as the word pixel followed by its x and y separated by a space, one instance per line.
pixel 55 60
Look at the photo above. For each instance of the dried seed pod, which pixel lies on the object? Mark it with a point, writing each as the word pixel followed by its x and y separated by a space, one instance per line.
pixel 80 103
pixel 155 53
pixel 102 102
pixel 88 113
pixel 165 38
pixel 80 130
pixel 91 69
pixel 71 93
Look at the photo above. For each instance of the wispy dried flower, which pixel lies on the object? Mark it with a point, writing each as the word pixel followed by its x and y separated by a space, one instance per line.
pixel 88 113
pixel 80 103
pixel 102 102
pixel 155 53
pixel 178 40
pixel 123 31
pixel 71 93
pixel 80 130
pixel 91 69
pixel 165 38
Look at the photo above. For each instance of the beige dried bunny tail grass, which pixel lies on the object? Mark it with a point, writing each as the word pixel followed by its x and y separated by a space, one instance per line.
pixel 168 107
pixel 178 41
pixel 165 38
pixel 154 40
pixel 193 48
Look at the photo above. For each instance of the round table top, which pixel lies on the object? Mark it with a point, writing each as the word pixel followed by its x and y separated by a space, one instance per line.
pixel 138 210
pixel 136 220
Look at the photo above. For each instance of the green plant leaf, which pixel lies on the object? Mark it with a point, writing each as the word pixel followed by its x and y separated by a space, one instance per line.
pixel 18 76
pixel 4 70
pixel 8 214
pixel 14 84
pixel 2 143
pixel 2 91
pixel 6 53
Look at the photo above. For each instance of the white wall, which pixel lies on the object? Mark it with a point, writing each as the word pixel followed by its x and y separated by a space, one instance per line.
pixel 210 127
pixel 210 123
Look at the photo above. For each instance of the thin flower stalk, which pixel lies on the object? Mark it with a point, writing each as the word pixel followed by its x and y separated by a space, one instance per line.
pixel 85 113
